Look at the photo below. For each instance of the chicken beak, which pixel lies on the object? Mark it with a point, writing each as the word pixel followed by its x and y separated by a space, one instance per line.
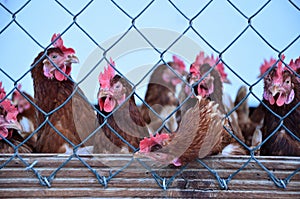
pixel 103 93
pixel 46 61
pixel 275 89
pixel 12 125
pixel 72 59
pixel 227 81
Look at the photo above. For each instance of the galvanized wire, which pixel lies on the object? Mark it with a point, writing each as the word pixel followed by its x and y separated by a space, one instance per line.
pixel 161 181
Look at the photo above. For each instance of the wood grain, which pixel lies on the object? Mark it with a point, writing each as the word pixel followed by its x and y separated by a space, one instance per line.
pixel 195 181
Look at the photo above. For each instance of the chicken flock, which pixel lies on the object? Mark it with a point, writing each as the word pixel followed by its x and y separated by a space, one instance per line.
pixel 169 127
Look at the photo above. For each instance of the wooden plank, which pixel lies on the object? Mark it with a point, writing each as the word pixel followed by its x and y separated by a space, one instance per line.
pixel 134 173
pixel 75 180
pixel 180 183
pixel 141 192
pixel 215 162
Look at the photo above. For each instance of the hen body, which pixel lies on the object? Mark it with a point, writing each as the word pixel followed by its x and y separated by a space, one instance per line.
pixel 126 120
pixel 250 124
pixel 198 136
pixel 15 139
pixel 161 96
pixel 211 88
pixel 281 95
pixel 75 119
pixel 10 129
pixel 26 116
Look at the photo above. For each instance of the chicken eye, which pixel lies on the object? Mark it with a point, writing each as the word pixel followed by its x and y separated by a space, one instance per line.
pixel 287 81
pixel 117 86
pixel 54 56
pixel 268 79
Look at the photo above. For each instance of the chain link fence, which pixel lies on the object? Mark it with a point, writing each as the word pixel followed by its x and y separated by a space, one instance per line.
pixel 71 22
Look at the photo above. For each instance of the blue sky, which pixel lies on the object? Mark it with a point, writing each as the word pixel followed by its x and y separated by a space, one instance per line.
pixel 220 23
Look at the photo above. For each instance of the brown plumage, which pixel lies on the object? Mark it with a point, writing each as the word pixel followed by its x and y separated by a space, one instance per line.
pixel 127 120
pixel 247 124
pixel 211 88
pixel 281 95
pixel 75 120
pixel 198 136
pixel 26 116
pixel 15 139
pixel 10 129
pixel 161 95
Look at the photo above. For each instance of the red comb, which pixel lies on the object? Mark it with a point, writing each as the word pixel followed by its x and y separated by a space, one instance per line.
pixel 11 110
pixel 107 75
pixel 179 64
pixel 219 67
pixel 295 64
pixel 59 43
pixel 210 60
pixel 266 65
pixel 194 69
pixel 8 114
pixel 280 67
pixel 202 59
pixel 147 143
pixel 2 92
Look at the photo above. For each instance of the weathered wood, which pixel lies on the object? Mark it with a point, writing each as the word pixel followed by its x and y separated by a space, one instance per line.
pixel 112 160
pixel 140 192
pixel 134 173
pixel 181 183
pixel 76 180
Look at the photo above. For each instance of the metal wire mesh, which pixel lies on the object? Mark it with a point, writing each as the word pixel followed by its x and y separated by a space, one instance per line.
pixel 73 18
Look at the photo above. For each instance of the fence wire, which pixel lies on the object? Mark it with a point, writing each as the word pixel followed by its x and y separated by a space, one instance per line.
pixel 162 182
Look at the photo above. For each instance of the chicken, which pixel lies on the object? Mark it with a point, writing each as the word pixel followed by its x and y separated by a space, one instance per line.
pixel 246 124
pixel 250 128
pixel 211 87
pixel 119 111
pixel 72 116
pixel 199 135
pixel 161 95
pixel 209 82
pixel 26 116
pixel 281 94
pixel 202 59
pixel 9 127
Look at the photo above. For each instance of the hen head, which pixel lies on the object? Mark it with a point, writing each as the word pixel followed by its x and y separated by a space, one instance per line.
pixel 278 84
pixel 62 58
pixel 179 66
pixel 150 148
pixel 202 59
pixel 8 116
pixel 206 86
pixel 21 102
pixel 113 89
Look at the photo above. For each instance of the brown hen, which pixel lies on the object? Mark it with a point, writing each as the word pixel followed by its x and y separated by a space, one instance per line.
pixel 27 115
pixel 211 87
pixel 161 95
pixel 281 95
pixel 118 112
pixel 10 129
pixel 76 118
pixel 198 136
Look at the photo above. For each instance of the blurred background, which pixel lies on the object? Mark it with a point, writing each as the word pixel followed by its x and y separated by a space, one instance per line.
pixel 258 29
